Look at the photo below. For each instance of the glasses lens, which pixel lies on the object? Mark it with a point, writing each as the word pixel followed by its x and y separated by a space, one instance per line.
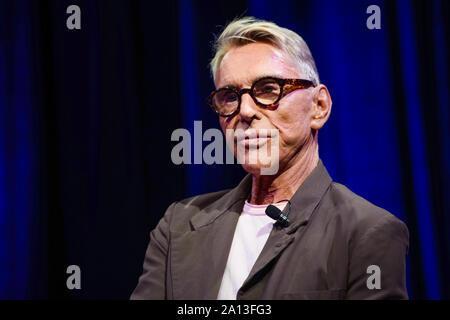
pixel 266 91
pixel 226 101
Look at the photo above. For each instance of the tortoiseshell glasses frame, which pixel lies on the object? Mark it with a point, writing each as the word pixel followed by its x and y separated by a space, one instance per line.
pixel 266 92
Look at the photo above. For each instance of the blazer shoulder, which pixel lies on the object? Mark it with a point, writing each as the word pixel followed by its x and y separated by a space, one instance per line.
pixel 182 211
pixel 358 213
pixel 202 200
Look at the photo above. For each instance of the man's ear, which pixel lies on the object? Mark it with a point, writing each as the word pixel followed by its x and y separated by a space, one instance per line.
pixel 321 109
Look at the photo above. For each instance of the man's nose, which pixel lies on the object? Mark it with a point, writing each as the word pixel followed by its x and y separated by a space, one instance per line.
pixel 248 107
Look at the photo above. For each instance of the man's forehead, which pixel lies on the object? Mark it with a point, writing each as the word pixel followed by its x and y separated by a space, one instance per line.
pixel 241 66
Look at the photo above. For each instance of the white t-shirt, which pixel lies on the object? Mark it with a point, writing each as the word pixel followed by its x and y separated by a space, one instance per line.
pixel 252 230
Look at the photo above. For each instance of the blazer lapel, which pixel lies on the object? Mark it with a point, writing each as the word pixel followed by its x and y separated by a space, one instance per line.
pixel 198 258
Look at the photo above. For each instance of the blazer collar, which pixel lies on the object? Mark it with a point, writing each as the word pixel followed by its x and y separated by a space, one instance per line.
pixel 308 196
pixel 303 202
pixel 210 213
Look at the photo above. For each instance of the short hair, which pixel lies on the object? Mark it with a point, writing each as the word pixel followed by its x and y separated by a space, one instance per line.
pixel 246 30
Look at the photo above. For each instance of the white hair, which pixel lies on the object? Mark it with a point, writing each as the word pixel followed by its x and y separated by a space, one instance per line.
pixel 249 29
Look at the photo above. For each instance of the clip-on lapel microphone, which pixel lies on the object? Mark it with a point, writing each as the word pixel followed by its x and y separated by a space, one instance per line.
pixel 276 214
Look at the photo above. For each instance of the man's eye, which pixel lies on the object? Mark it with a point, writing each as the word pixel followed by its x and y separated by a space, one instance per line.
pixel 230 98
pixel 268 89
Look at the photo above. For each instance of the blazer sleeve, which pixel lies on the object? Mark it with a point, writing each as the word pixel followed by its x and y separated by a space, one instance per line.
pixel 383 246
pixel 152 282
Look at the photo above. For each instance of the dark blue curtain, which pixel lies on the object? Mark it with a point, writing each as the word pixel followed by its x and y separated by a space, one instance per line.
pixel 86 118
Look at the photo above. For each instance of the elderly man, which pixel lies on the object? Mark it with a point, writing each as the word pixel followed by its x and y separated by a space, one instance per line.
pixel 222 245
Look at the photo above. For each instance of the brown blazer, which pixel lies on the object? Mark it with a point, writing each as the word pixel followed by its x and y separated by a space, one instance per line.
pixel 334 236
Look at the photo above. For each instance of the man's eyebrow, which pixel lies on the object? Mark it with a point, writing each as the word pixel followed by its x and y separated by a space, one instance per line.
pixel 236 85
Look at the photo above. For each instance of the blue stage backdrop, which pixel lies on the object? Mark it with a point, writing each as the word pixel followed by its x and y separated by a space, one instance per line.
pixel 86 118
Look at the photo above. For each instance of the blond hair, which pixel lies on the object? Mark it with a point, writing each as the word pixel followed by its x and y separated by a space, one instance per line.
pixel 249 29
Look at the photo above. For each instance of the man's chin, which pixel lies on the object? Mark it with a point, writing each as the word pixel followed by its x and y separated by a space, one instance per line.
pixel 257 163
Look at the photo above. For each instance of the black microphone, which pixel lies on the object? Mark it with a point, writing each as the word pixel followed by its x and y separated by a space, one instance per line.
pixel 276 214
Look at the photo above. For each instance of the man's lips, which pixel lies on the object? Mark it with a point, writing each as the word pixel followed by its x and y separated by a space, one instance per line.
pixel 252 138
pixel 253 142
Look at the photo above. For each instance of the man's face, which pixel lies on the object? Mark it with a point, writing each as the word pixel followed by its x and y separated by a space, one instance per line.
pixel 240 67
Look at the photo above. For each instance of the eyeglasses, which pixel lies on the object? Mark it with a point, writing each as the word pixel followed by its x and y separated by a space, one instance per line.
pixel 266 92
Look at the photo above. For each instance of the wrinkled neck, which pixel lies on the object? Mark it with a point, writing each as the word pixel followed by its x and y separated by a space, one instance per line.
pixel 270 189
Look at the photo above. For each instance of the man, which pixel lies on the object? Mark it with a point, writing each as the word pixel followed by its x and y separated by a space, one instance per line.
pixel 222 245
